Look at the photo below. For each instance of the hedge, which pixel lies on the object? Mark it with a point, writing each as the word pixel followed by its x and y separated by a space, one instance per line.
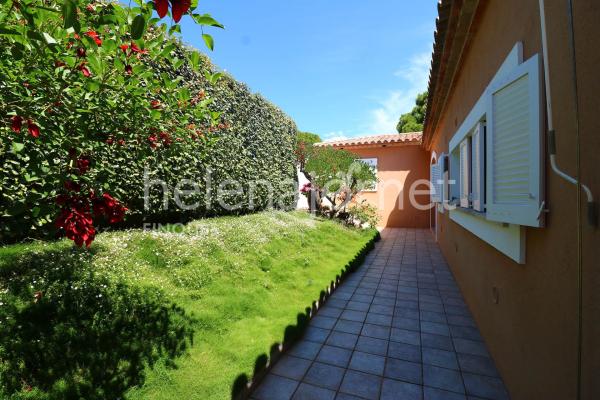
pixel 235 134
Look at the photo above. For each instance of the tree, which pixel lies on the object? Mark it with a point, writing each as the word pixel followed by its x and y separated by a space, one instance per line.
pixel 304 141
pixel 413 121
pixel 335 175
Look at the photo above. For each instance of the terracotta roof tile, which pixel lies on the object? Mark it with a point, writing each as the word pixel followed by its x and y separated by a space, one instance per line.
pixel 407 138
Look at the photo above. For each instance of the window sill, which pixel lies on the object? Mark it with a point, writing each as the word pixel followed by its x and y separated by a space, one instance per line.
pixel 509 239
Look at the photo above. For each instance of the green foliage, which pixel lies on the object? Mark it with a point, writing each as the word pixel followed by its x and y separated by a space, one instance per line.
pixel 304 141
pixel 413 121
pixel 363 213
pixel 243 279
pixel 337 175
pixel 333 170
pixel 69 333
pixel 76 89
pixel 308 138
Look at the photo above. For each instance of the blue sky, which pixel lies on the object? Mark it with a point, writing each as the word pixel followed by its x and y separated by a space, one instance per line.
pixel 338 68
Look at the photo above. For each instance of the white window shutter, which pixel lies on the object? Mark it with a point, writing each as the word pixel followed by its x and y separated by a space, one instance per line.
pixel 478 168
pixel 435 178
pixel 465 173
pixel 514 142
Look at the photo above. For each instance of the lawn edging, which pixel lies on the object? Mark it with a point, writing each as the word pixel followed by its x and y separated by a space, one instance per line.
pixel 243 386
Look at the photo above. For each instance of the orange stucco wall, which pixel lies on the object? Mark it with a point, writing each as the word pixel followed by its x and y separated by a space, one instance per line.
pixel 399 168
pixel 532 332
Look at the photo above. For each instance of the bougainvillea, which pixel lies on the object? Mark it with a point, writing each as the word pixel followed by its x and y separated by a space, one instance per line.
pixel 76 75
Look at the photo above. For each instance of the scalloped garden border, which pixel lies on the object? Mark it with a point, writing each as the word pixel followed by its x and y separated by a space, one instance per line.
pixel 243 387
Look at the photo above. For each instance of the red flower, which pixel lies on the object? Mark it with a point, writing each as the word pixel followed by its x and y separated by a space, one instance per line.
pixel 179 7
pixel 136 49
pixel 162 7
pixel 72 186
pixel 78 225
pixel 16 123
pixel 108 206
pixel 124 48
pixel 155 104
pixel 81 52
pixel 94 36
pixel 128 69
pixel 83 165
pixel 110 140
pixel 152 139
pixel 166 138
pixel 33 129
pixel 90 7
pixel 58 64
pixel 84 70
pixel 121 142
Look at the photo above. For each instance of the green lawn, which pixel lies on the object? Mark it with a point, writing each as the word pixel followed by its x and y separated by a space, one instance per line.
pixel 242 280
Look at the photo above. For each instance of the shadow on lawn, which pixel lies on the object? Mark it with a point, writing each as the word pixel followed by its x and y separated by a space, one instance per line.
pixel 68 333
pixel 243 386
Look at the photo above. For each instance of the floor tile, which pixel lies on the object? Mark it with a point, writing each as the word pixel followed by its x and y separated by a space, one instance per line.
pixel 361 384
pixel 351 315
pixel 315 334
pixel 365 362
pixel 275 387
pixel 291 367
pixel 305 349
pixel 395 390
pixel 442 378
pixel 405 336
pixel 357 306
pixel 437 341
pixel 309 392
pixel 403 351
pixel 403 370
pixel 372 345
pixel 342 339
pixel 379 319
pixel 348 326
pixel 325 375
pixel 398 325
pixel 376 331
pixel 335 356
pixel 430 393
pixel 323 322
pixel 440 358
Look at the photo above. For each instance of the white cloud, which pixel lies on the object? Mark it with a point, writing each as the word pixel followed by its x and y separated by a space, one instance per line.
pixel 415 75
pixel 337 135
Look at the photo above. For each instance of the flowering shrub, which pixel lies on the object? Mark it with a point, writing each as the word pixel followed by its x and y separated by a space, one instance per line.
pixel 78 97
pixel 363 213
pixel 336 175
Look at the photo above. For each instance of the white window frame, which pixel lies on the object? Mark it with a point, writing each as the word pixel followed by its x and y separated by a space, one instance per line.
pixel 506 236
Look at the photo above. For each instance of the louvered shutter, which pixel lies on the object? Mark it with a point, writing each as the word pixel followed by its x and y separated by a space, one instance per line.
pixel 478 167
pixel 435 178
pixel 514 142
pixel 465 172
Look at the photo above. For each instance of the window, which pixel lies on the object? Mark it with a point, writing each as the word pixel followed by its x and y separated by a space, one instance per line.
pixel 371 162
pixel 496 158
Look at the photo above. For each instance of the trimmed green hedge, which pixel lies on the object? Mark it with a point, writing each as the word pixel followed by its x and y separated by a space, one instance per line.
pixel 255 141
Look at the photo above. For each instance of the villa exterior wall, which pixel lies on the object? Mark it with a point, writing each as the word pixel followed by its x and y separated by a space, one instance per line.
pixel 532 331
pixel 399 168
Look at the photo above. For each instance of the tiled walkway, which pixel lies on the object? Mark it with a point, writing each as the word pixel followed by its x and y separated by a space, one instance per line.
pixel 398 328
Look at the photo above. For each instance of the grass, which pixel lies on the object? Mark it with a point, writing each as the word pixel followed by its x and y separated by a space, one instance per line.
pixel 242 279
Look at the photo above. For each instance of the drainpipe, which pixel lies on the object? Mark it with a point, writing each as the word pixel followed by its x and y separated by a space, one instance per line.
pixel 552 152
pixel 551 133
